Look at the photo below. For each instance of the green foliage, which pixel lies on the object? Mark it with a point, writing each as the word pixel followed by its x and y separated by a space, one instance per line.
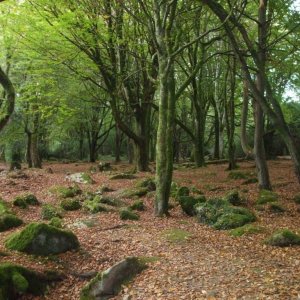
pixel 20 202
pixel 26 199
pixel 70 204
pixel 65 192
pixel 148 183
pixel 49 211
pixel 94 206
pixel 56 222
pixel 283 238
pixel 182 191
pixel 4 207
pixel 128 214
pixel 42 239
pixel 234 198
pixel 188 203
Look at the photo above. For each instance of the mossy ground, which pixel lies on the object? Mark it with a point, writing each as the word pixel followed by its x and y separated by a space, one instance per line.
pixel 70 204
pixel 128 214
pixel 266 196
pixel 65 192
pixel 176 235
pixel 246 230
pixel 50 211
pixel 137 205
pixel 283 238
pixel 8 221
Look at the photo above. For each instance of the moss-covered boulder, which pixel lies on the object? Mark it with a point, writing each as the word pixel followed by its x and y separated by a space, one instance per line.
pixel 128 214
pixel 137 205
pixel 237 175
pixel 148 183
pixel 49 211
pixel 95 206
pixel 283 238
pixel 42 239
pixel 246 230
pixel 16 280
pixel 122 176
pixel 56 222
pixel 188 203
pixel 108 284
pixel 66 192
pixel 108 201
pixel 8 221
pixel 233 197
pixel 20 202
pixel 26 199
pixel 266 196
pixel 70 204
pixel 276 208
pixel 4 207
pixel 220 214
pixel 134 192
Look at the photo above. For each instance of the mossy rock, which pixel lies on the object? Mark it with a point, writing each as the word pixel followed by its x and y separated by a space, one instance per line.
pixel 176 235
pixel 42 239
pixel 128 214
pixel 95 207
pixel 122 176
pixel 107 284
pixel 234 198
pixel 8 221
pixel 109 201
pixel 66 192
pixel 246 230
pixel 187 204
pixel 238 175
pixel 266 196
pixel 276 208
pixel 174 188
pixel 283 238
pixel 49 211
pixel 26 199
pixel 134 192
pixel 56 222
pixel 137 205
pixel 105 189
pixel 148 183
pixel 220 214
pixel 194 190
pixel 70 204
pixel 297 199
pixel 82 177
pixel 16 280
pixel 183 191
pixel 200 198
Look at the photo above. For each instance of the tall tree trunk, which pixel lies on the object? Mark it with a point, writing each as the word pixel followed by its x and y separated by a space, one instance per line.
pixel 28 149
pixel 217 134
pixel 118 142
pixel 34 151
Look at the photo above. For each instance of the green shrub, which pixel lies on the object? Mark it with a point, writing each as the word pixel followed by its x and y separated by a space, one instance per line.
pixel 128 214
pixel 283 238
pixel 70 204
pixel 49 211
pixel 137 205
pixel 266 196
pixel 8 221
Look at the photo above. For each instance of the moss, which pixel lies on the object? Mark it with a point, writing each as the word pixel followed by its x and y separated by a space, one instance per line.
pixel 183 191
pixel 174 188
pixel 49 211
pixel 94 206
pixel 220 214
pixel 246 230
pixel 297 199
pixel 250 181
pixel 266 196
pixel 187 204
pixel 134 192
pixel 66 192
pixel 42 239
pixel 56 222
pixel 137 205
pixel 122 176
pixel 128 214
pixel 238 175
pixel 148 183
pixel 200 199
pixel 20 202
pixel 87 178
pixel 283 238
pixel 234 198
pixel 8 221
pixel 70 204
pixel 109 201
pixel 105 189
pixel 194 190
pixel 3 207
pixel 176 235
pixel 16 280
pixel 275 208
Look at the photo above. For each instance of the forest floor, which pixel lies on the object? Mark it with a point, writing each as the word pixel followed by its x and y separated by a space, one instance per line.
pixel 205 264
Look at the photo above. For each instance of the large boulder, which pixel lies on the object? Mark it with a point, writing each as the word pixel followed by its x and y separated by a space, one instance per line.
pixel 108 284
pixel 42 239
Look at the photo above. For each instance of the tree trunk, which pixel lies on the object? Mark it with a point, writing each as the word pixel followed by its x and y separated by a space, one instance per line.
pixel 118 142
pixel 28 150
pixel 217 134
pixel 34 150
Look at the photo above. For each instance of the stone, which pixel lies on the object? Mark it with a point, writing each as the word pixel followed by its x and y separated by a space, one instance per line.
pixel 42 239
pixel 283 238
pixel 108 284
pixel 80 178
pixel 122 176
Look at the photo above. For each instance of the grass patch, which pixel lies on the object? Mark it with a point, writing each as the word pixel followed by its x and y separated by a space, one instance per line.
pixel 246 230
pixel 176 235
